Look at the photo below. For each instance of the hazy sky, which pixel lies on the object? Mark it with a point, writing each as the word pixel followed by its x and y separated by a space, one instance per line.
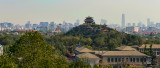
pixel 21 11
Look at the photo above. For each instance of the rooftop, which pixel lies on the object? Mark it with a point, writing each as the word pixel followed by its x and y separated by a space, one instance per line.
pixel 87 55
pixel 123 53
pixel 83 49
pixel 154 46
pixel 125 48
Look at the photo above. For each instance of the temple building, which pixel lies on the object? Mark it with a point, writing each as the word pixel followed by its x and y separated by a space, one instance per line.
pixel 89 20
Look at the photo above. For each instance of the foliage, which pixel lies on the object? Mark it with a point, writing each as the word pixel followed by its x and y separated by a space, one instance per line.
pixel 79 64
pixel 97 66
pixel 110 66
pixel 100 38
pixel 8 39
pixel 31 51
pixel 7 62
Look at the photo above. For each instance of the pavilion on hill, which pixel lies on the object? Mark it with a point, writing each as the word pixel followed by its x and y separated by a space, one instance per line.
pixel 89 20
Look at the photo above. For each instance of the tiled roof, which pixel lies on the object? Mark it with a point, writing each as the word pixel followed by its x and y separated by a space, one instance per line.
pixel 87 55
pixel 123 53
pixel 99 52
pixel 83 49
pixel 126 48
pixel 154 46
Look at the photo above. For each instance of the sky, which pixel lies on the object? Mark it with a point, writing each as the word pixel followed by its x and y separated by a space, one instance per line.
pixel 21 11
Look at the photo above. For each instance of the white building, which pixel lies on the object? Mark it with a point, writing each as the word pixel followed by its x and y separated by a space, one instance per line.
pixel 1 50
pixel 131 29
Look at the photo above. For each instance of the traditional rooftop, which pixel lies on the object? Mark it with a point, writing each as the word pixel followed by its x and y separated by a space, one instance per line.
pixel 87 55
pixel 125 48
pixel 123 53
pixel 154 46
pixel 99 52
pixel 83 49
pixel 89 20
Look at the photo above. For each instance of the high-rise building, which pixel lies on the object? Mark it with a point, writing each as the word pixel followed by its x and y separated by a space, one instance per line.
pixel 51 26
pixel 43 26
pixel 140 24
pixel 123 20
pixel 103 21
pixel 76 23
pixel 129 24
pixel 158 25
pixel 34 26
pixel 28 25
pixel 133 24
pixel 148 22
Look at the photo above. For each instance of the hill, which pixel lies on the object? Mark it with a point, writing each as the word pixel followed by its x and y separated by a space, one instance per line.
pixel 103 36
pixel 93 36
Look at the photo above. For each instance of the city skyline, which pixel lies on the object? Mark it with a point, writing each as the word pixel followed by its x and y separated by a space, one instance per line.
pixel 21 11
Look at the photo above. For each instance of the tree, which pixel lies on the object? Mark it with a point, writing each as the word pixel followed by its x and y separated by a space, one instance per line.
pixel 7 62
pixel 145 50
pixel 79 64
pixel 110 66
pixel 31 51
pixel 97 66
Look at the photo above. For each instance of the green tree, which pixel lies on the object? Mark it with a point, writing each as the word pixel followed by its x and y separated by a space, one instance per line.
pixel 79 64
pixel 7 62
pixel 31 51
pixel 97 66
pixel 110 66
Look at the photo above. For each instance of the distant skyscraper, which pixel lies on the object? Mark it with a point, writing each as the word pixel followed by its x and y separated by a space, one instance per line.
pixel 76 23
pixel 158 25
pixel 43 26
pixel 129 24
pixel 28 25
pixel 148 22
pixel 140 24
pixel 123 20
pixel 51 26
pixel 103 21
pixel 34 26
pixel 133 24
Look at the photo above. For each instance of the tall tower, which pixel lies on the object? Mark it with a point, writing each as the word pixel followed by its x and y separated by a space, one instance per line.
pixel 148 22
pixel 123 20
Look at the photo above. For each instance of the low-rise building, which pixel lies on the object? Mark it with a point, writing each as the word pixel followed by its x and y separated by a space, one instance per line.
pixel 155 47
pixel 123 55
pixel 81 50
pixel 89 58
pixel 131 29
pixel 120 58
pixel 125 48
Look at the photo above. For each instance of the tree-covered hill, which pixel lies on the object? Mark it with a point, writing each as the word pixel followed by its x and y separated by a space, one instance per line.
pixel 95 37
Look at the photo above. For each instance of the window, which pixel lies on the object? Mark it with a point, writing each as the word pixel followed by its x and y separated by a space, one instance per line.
pixel 137 59
pixel 141 59
pixel 134 60
pixel 131 60
pixel 115 59
pixel 108 59
pixel 119 59
pixel 111 59
pixel 144 59
pixel 127 59
pixel 122 59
